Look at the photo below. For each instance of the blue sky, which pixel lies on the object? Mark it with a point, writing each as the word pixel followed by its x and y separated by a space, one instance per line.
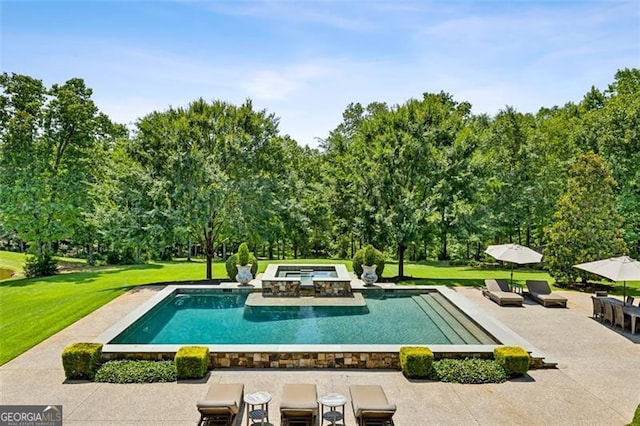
pixel 306 61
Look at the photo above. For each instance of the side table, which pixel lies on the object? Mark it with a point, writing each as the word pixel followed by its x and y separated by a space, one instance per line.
pixel 257 407
pixel 333 401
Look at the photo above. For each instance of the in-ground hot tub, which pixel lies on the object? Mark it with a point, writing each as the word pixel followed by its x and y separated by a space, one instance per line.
pixel 306 280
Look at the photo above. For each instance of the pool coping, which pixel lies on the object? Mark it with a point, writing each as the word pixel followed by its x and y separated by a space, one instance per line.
pixel 492 326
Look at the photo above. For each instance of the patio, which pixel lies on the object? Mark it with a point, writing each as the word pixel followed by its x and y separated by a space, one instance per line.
pixel 597 380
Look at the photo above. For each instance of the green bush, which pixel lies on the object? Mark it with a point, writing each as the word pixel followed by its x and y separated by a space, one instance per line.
pixel 243 254
pixel 40 266
pixel 373 253
pixel 636 417
pixel 232 269
pixel 130 371
pixel 416 362
pixel 80 360
pixel 469 371
pixel 513 359
pixel 192 362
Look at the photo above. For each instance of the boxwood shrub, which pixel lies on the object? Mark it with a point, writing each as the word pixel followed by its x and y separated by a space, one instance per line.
pixel 192 362
pixel 514 359
pixel 80 360
pixel 416 362
pixel 636 417
pixel 136 371
pixel 469 371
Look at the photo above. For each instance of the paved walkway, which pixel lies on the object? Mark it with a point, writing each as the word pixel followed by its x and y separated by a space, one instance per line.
pixel 597 380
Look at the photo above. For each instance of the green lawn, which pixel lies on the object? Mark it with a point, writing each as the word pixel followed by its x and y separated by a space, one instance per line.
pixel 31 310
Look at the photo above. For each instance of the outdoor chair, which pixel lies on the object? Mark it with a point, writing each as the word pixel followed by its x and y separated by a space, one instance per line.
pixel 598 309
pixel 619 318
pixel 608 312
pixel 499 292
pixel 629 300
pixel 221 404
pixel 371 406
pixel 541 293
pixel 299 405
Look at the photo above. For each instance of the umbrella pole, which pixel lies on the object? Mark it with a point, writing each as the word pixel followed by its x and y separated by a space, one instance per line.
pixel 512 277
pixel 624 293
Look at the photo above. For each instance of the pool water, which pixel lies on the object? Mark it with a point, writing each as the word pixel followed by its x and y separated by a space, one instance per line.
pixel 222 318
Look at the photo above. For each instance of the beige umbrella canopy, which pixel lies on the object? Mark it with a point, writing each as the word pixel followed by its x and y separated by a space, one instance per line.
pixel 513 253
pixel 623 268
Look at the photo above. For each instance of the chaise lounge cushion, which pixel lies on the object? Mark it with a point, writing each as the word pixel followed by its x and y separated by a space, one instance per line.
pixel 222 399
pixel 499 292
pixel 299 400
pixel 370 401
pixel 541 293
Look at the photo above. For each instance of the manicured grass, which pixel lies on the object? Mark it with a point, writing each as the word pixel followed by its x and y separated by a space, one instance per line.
pixel 12 261
pixel 31 310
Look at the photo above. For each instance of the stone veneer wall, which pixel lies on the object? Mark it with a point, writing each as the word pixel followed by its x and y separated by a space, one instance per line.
pixel 377 360
pixel 281 288
pixel 332 288
pixel 382 360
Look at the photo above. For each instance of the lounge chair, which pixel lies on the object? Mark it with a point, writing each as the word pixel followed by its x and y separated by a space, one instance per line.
pixel 371 406
pixel 541 293
pixel 499 292
pixel 221 404
pixel 299 405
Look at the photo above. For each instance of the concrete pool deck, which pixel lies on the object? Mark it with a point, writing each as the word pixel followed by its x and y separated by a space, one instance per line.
pixel 597 380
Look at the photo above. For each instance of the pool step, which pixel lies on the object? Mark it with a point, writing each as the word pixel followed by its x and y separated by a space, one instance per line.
pixel 440 306
pixel 436 315
pixel 479 335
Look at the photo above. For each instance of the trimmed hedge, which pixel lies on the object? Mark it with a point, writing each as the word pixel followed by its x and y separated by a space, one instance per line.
pixel 636 418
pixel 136 371
pixel 232 269
pixel 416 362
pixel 469 371
pixel 513 359
pixel 373 256
pixel 192 362
pixel 80 360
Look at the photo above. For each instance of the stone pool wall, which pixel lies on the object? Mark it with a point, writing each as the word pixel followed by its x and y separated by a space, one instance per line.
pixel 281 288
pixel 377 360
pixel 332 288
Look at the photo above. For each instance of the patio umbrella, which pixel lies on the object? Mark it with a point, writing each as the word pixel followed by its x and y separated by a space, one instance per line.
pixel 513 253
pixel 621 268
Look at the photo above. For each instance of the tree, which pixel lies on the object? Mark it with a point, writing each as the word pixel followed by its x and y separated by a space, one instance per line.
pixel 48 155
pixel 613 128
pixel 210 163
pixel 586 225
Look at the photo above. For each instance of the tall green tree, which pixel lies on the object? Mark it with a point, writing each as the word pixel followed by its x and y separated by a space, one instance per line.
pixel 50 146
pixel 209 162
pixel 587 226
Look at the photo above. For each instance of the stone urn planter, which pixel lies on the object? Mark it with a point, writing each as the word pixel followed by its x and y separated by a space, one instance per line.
pixel 369 275
pixel 244 274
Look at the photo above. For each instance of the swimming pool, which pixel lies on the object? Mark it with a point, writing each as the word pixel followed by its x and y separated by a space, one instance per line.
pixel 291 352
pixel 214 317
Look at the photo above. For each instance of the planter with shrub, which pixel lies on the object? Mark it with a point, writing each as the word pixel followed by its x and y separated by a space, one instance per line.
pixel 368 264
pixel 242 266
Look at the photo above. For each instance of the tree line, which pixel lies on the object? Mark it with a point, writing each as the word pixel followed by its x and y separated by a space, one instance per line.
pixel 426 179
